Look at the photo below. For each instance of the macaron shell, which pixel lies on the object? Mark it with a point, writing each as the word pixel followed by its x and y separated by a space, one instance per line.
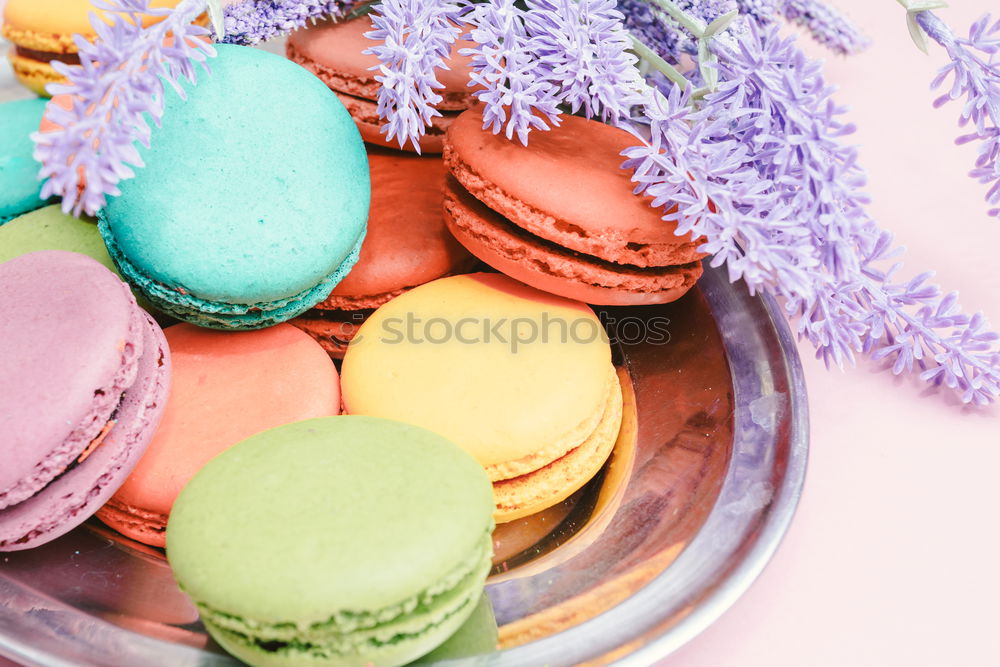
pixel 333 335
pixel 226 387
pixel 373 496
pixel 32 74
pixel 566 186
pixel 365 115
pixel 501 403
pixel 334 51
pixel 72 337
pixel 198 221
pixel 407 243
pixel 50 25
pixel 49 228
pixel 72 498
pixel 547 267
pixel 19 184
pixel 536 491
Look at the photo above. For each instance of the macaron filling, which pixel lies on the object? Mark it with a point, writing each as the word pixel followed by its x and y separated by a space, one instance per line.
pixel 348 633
pixel 106 402
pixel 47 56
pixel 177 301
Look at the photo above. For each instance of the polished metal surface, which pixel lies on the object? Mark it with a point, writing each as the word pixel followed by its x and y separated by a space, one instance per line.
pixel 701 487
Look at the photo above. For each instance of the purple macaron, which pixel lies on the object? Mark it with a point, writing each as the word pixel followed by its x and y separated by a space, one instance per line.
pixel 84 376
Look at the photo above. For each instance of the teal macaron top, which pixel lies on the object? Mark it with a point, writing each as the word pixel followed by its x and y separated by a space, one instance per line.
pixel 334 535
pixel 19 184
pixel 254 191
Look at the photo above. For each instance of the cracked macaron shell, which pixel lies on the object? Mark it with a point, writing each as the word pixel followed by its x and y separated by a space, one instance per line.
pixel 338 516
pixel 71 330
pixel 72 498
pixel 210 218
pixel 227 386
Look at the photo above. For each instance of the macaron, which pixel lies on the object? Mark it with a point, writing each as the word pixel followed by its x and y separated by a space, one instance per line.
pixel 560 214
pixel 521 379
pixel 335 541
pixel 335 52
pixel 407 244
pixel 227 386
pixel 86 374
pixel 48 228
pixel 19 184
pixel 43 30
pixel 246 213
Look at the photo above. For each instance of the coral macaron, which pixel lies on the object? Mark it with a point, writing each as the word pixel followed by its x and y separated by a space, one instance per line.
pixel 559 214
pixel 521 379
pixel 85 378
pixel 407 244
pixel 227 386
pixel 334 51
pixel 245 214
pixel 339 541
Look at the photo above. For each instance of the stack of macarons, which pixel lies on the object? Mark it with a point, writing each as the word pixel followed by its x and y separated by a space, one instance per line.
pixel 335 51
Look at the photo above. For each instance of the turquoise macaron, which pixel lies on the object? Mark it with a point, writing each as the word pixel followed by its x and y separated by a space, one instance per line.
pixel 19 184
pixel 339 541
pixel 253 199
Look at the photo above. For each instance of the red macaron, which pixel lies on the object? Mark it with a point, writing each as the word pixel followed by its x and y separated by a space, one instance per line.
pixel 560 215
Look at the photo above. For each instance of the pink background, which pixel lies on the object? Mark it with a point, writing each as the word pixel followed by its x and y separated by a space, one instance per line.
pixel 894 555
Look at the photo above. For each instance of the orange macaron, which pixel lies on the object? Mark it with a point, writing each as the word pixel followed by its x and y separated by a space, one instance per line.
pixel 334 51
pixel 226 387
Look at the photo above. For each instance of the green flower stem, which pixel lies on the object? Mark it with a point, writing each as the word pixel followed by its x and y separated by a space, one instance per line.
pixel 656 62
pixel 691 24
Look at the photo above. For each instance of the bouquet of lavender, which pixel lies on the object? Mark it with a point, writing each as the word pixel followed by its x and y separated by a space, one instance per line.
pixel 738 139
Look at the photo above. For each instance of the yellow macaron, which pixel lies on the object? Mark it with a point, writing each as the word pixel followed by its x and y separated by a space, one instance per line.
pixel 42 31
pixel 521 379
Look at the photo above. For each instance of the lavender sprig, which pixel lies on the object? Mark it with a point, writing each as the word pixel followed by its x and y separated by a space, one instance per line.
pixel 416 38
pixel 120 79
pixel 584 51
pixel 974 71
pixel 788 215
pixel 516 92
pixel 250 22
pixel 826 25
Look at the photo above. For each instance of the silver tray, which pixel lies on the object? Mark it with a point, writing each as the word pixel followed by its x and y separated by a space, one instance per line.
pixel 701 487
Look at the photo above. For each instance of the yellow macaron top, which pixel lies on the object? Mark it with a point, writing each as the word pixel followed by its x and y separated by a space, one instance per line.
pixel 516 376
pixel 49 25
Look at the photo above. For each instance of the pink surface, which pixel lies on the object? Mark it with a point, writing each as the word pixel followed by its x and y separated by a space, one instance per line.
pixel 893 556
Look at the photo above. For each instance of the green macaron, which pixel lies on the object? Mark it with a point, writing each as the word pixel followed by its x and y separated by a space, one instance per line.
pixel 341 541
pixel 49 228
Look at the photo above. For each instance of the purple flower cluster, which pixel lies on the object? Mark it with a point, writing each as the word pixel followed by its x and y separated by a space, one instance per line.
pixel 417 37
pixel 119 81
pixel 250 22
pixel 826 25
pixel 787 215
pixel 974 70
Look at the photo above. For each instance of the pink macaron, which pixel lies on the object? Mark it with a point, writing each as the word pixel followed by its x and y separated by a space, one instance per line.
pixel 85 375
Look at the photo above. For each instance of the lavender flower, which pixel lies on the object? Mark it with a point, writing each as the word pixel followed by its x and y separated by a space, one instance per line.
pixel 250 22
pixel 975 76
pixel 583 48
pixel 826 25
pixel 119 80
pixel 416 36
pixel 787 215
pixel 651 28
pixel 510 78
